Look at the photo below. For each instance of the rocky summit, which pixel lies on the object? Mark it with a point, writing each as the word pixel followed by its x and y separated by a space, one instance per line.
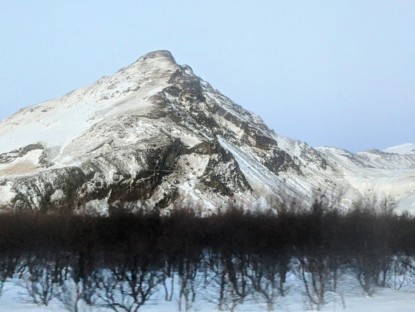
pixel 155 135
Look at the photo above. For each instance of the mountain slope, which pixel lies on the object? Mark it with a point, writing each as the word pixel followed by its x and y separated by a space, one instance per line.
pixel 404 149
pixel 155 135
pixel 378 174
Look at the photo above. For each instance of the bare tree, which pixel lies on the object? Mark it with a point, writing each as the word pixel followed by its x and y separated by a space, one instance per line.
pixel 267 277
pixel 319 275
pixel 187 278
pixel 71 295
pixel 126 288
pixel 40 281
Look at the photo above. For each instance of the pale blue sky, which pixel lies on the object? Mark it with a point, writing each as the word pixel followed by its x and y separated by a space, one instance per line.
pixel 339 73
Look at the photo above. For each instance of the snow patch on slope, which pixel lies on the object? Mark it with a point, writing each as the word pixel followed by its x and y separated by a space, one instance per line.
pixel 24 165
pixel 58 122
pixel 378 174
pixel 403 149
pixel 6 193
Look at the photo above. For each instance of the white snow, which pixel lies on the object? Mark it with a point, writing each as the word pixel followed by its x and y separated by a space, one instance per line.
pixel 6 193
pixel 261 179
pixel 58 122
pixel 348 297
pixel 27 164
pixel 57 195
pixel 403 149
pixel 372 175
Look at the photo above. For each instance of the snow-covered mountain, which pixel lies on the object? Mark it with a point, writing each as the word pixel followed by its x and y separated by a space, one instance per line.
pixel 155 134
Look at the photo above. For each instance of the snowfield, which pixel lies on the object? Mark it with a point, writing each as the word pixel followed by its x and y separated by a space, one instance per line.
pixel 349 297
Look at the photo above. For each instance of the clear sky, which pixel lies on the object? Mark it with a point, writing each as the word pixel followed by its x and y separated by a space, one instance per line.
pixel 339 73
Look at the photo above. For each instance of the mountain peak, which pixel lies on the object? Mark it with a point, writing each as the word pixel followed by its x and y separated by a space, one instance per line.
pixel 159 54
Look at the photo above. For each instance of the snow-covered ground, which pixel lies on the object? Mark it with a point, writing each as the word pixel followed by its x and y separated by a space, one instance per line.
pixel 348 298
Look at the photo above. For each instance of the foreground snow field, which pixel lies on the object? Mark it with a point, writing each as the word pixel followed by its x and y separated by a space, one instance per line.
pixel 196 294
pixel 349 299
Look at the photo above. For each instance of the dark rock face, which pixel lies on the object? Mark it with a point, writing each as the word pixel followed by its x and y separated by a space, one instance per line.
pixel 124 185
pixel 204 115
pixel 280 161
pixel 222 174
pixel 37 191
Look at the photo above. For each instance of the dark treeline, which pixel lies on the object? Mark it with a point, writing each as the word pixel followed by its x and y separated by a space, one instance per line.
pixel 319 228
